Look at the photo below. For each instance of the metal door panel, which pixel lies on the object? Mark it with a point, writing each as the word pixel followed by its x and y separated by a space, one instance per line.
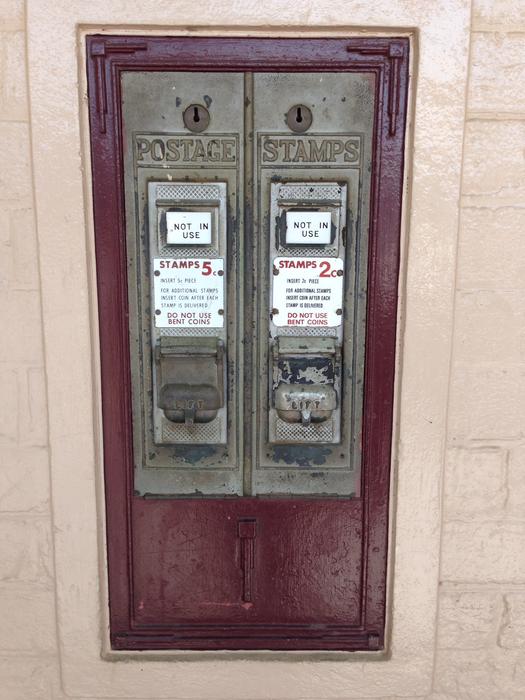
pixel 248 541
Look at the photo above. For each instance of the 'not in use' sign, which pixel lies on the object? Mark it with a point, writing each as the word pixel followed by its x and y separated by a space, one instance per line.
pixel 310 227
pixel 188 227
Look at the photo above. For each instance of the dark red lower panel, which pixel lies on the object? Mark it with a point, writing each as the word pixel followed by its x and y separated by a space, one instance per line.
pixel 271 570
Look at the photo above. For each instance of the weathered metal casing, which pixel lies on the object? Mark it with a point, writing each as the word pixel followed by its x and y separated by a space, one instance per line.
pixel 324 169
pixel 186 395
pixel 249 173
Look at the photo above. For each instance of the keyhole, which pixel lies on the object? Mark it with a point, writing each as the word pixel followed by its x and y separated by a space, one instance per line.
pixel 196 118
pixel 299 118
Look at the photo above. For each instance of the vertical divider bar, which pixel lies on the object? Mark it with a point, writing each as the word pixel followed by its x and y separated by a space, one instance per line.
pixel 247 293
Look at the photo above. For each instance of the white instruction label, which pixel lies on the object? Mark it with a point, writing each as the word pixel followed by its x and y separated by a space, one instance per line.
pixel 188 293
pixel 310 227
pixel 188 227
pixel 307 291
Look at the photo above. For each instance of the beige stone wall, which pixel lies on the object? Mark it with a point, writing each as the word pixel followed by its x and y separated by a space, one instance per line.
pixel 481 626
pixel 28 650
pixel 480 646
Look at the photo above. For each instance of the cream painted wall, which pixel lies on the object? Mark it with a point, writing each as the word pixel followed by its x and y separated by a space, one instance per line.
pixel 479 649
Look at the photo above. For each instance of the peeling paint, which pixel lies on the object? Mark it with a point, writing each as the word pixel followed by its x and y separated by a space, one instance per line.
pixel 301 455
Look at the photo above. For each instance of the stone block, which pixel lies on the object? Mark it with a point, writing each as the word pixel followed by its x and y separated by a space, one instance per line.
pixel 24 479
pixel 483 552
pixel 516 483
pixel 480 674
pixel 493 163
pixel 491 252
pixel 490 326
pixel 512 628
pixel 24 253
pixel 13 93
pixel 5 249
pixel 497 73
pixel 20 313
pixel 32 418
pixel 8 405
pixel 5 228
pixel 12 14
pixel 486 402
pixel 466 618
pixel 475 484
pixel 15 176
pixel 463 674
pixel 25 544
pixel 498 15
pixel 28 618
pixel 27 677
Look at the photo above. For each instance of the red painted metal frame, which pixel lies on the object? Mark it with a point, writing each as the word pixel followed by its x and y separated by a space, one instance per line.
pixel 107 58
